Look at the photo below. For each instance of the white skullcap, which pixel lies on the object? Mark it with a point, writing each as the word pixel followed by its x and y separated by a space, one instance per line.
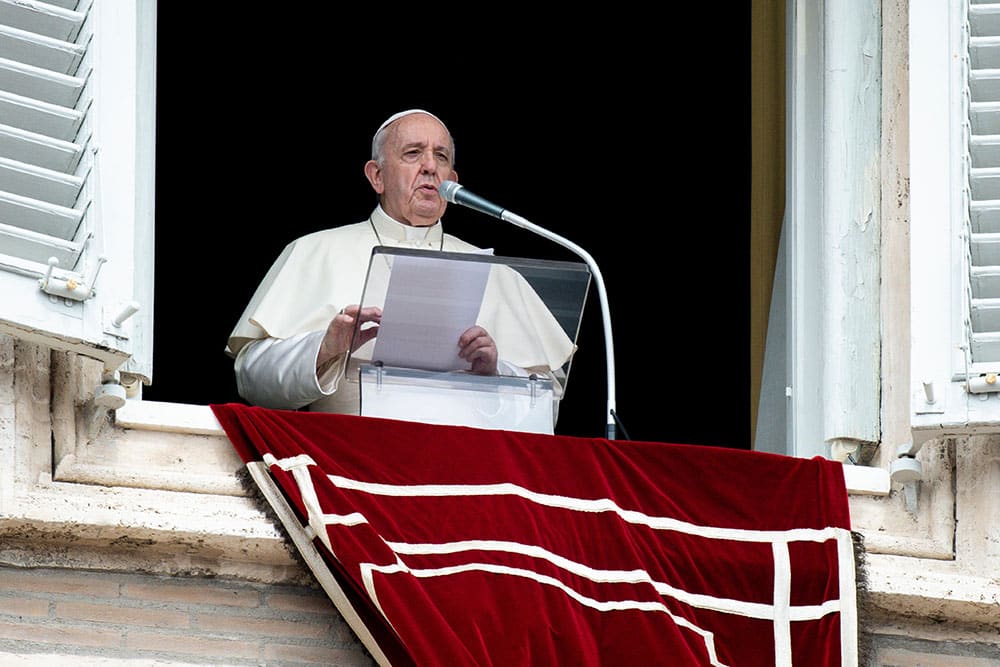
pixel 396 116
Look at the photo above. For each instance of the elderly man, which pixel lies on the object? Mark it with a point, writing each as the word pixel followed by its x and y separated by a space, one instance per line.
pixel 293 341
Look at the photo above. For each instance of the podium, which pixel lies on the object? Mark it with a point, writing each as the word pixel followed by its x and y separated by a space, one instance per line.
pixel 411 369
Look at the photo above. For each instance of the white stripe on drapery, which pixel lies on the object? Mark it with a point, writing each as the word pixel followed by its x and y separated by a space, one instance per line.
pixel 588 505
pixel 367 570
pixel 782 605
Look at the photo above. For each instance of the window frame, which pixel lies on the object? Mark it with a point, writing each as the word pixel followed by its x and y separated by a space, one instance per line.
pixel 817 398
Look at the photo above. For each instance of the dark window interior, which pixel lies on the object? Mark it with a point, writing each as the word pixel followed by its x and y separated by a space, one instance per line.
pixel 629 137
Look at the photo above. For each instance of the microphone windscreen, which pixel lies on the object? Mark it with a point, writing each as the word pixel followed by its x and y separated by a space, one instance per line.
pixel 448 190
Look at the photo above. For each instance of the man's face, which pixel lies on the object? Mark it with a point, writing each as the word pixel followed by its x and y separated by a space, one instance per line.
pixel 417 159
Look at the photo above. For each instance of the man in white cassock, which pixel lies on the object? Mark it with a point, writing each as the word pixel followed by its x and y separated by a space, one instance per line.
pixel 293 344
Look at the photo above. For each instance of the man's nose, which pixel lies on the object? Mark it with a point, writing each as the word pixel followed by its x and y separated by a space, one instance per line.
pixel 427 161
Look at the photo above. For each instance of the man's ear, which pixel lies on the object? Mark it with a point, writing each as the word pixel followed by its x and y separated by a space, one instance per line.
pixel 454 176
pixel 374 175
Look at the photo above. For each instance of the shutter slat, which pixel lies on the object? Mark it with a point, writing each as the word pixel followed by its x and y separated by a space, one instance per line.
pixel 985 249
pixel 40 84
pixel 984 118
pixel 986 346
pixel 44 18
pixel 39 150
pixel 34 215
pixel 21 244
pixel 986 315
pixel 984 216
pixel 39 117
pixel 36 183
pixel 40 51
pixel 986 281
pixel 985 151
pixel 984 53
pixel 985 183
pixel 985 85
pixel 66 4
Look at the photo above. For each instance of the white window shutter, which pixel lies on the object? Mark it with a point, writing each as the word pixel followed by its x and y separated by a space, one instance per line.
pixel 954 230
pixel 76 176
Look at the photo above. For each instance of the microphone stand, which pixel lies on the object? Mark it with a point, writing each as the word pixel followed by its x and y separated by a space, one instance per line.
pixel 609 350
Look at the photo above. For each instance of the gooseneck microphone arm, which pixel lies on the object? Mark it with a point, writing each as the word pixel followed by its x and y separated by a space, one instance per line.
pixel 457 194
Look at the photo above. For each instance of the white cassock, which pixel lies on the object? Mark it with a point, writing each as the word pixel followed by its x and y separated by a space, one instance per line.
pixel 277 339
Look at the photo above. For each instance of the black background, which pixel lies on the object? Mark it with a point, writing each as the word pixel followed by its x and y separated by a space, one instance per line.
pixel 629 136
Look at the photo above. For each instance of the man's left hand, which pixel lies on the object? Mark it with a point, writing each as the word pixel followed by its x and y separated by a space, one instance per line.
pixel 478 347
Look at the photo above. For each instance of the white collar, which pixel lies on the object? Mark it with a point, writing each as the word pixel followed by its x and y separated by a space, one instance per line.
pixel 389 228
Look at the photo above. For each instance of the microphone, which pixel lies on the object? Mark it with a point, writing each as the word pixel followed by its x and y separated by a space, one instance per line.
pixel 456 194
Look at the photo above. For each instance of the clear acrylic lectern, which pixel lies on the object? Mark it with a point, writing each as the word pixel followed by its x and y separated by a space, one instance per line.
pixel 411 369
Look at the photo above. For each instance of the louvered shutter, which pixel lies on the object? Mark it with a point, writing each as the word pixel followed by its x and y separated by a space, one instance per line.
pixel 76 172
pixel 984 186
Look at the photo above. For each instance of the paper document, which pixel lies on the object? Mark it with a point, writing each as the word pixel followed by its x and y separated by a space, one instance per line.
pixel 429 303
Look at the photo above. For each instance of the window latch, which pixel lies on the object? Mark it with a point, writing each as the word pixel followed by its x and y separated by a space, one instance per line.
pixel 984 384
pixel 69 288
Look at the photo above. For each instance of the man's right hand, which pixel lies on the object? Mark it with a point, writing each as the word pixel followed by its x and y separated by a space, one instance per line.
pixel 340 330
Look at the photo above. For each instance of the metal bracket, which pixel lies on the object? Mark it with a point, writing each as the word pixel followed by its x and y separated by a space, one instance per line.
pixel 929 403
pixel 115 321
pixel 109 396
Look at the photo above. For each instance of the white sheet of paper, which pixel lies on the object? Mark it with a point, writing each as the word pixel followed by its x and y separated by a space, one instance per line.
pixel 430 302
